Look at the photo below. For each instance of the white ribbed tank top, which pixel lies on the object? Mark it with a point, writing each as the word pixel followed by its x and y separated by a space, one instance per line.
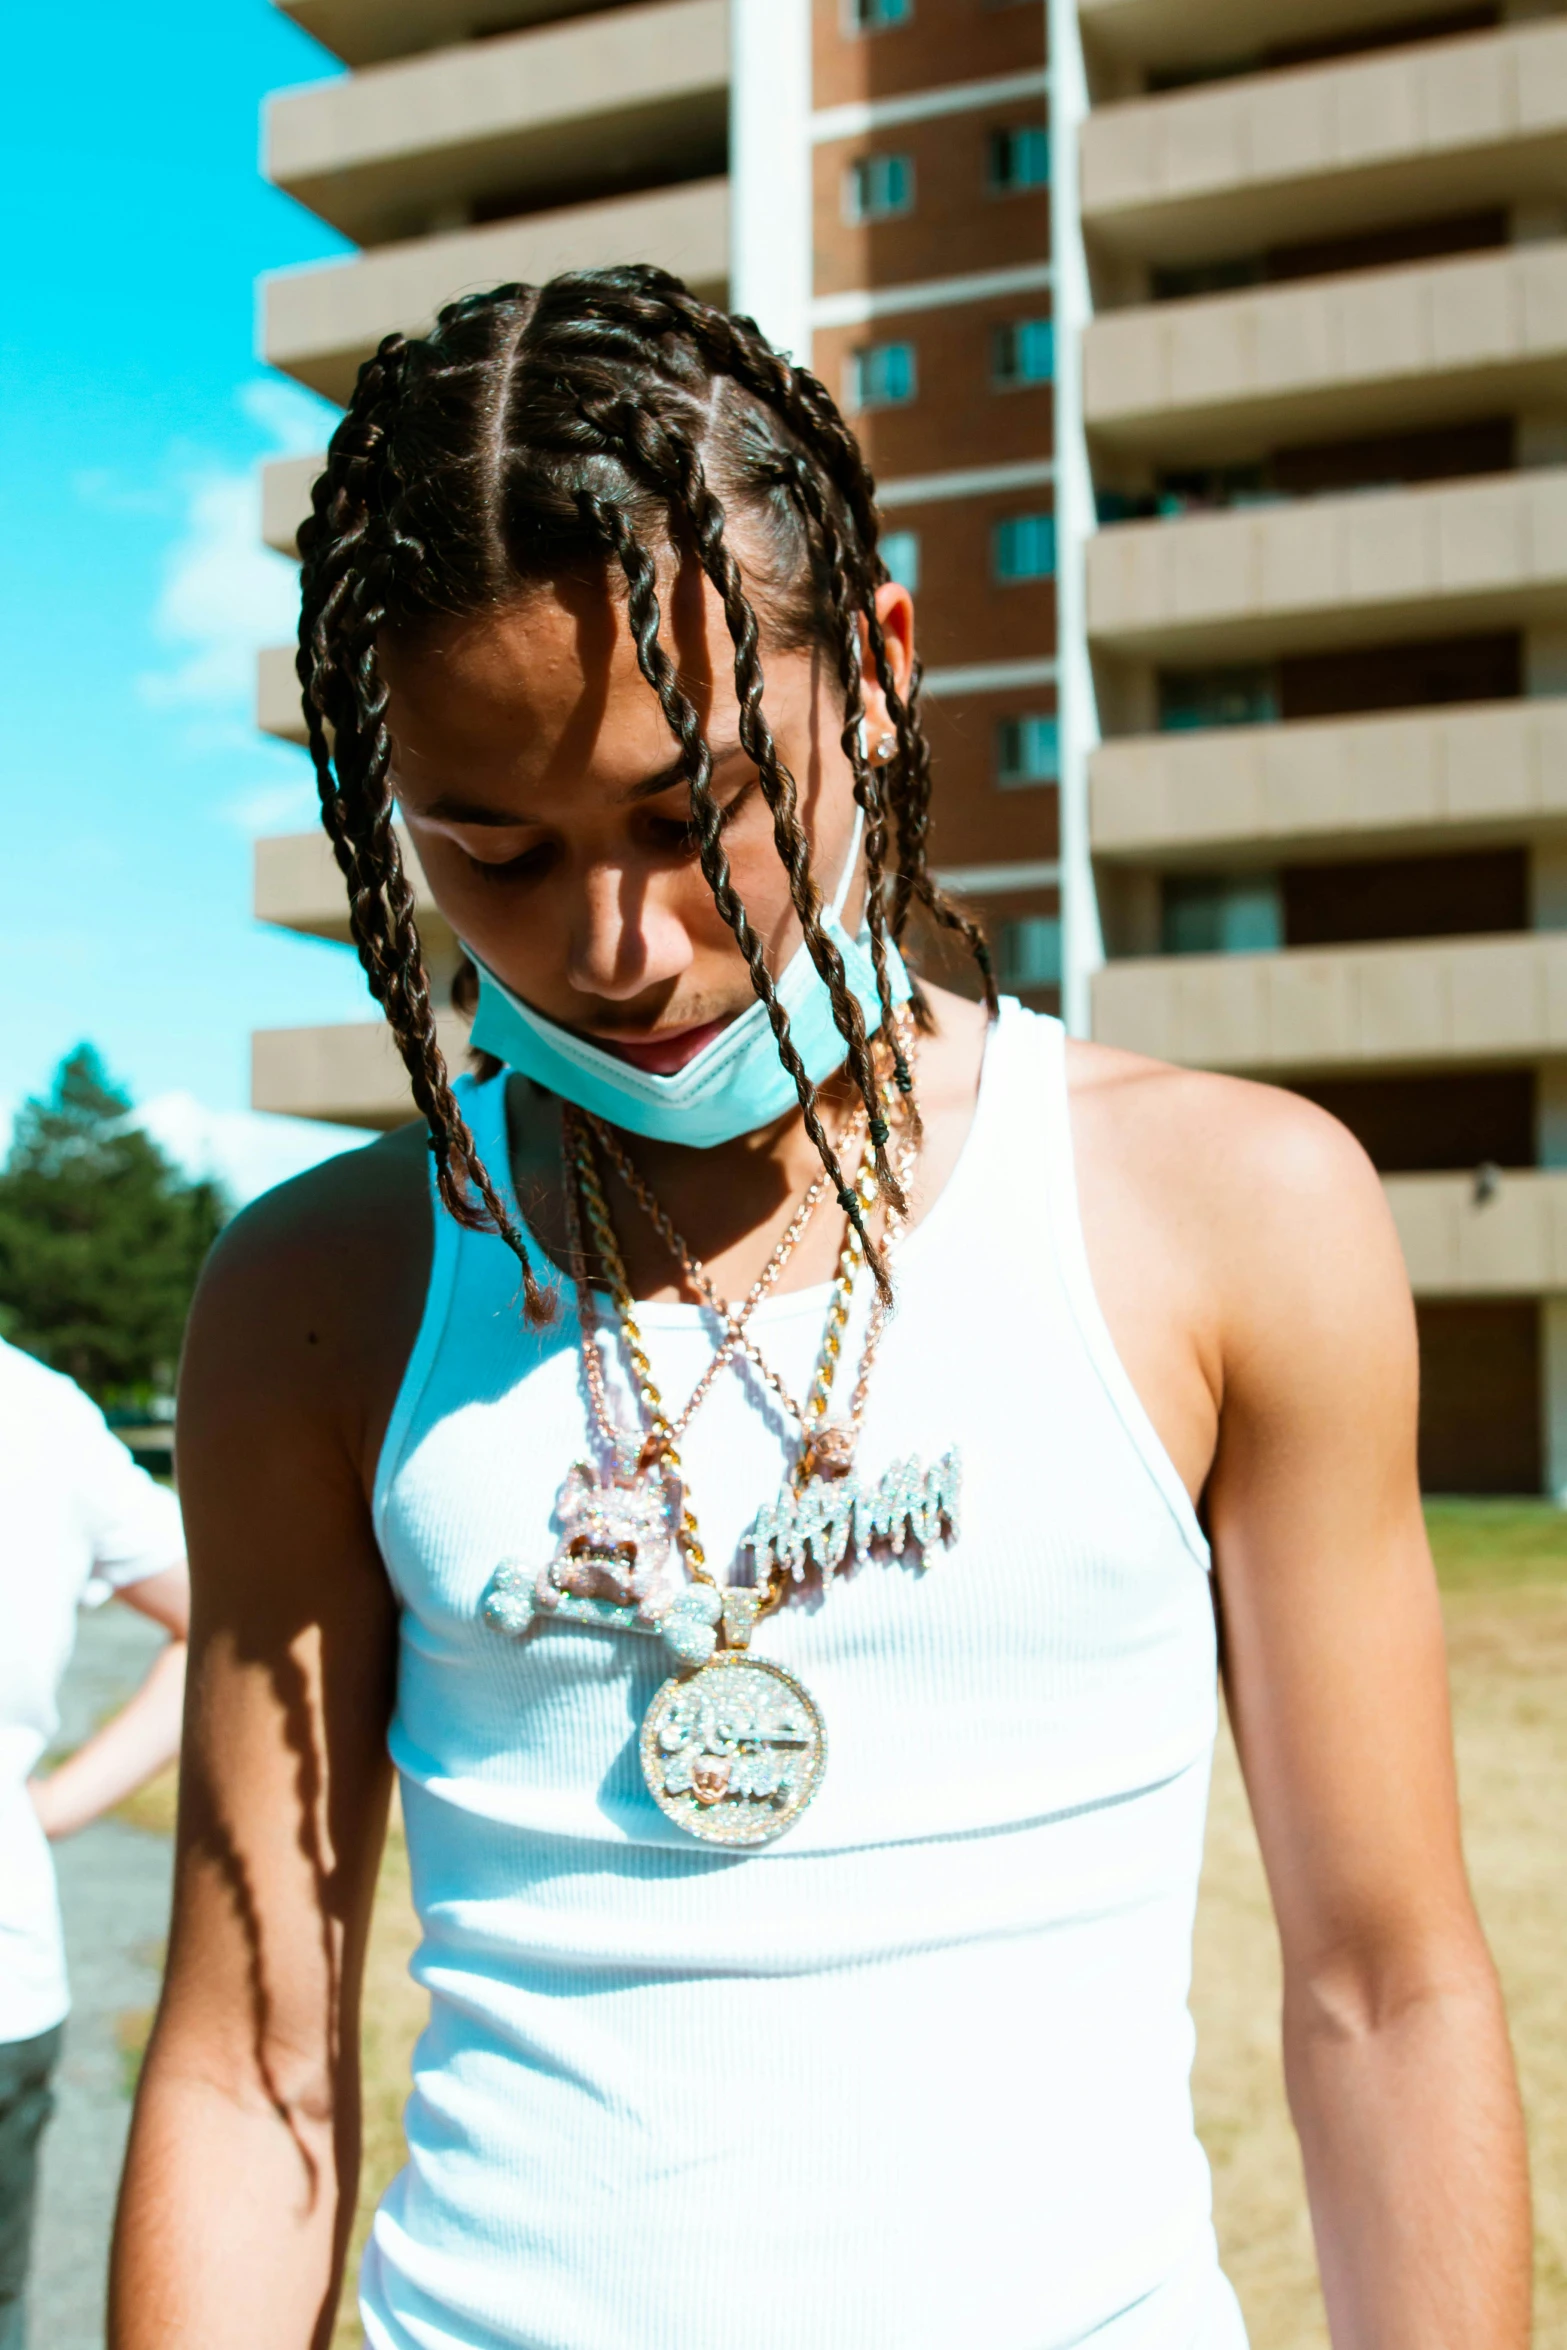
pixel 915 2077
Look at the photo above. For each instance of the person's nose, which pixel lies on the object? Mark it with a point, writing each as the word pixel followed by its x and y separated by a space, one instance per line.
pixel 624 939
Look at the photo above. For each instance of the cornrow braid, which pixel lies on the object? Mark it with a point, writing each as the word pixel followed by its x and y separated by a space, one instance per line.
pixel 673 466
pixel 915 879
pixel 737 344
pixel 697 769
pixel 606 417
pixel 867 790
pixel 358 814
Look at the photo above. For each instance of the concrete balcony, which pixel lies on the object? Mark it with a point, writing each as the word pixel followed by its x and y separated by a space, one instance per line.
pixel 1249 584
pixel 1404 783
pixel 320 324
pixel 1379 350
pixel 1163 33
pixel 1461 1239
pixel 1402 134
pixel 297 886
pixel 278 710
pixel 363 32
pixel 629 98
pixel 349 1074
pixel 1343 1010
pixel 286 485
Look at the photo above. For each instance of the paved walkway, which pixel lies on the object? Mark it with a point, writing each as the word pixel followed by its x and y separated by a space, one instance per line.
pixel 114 1891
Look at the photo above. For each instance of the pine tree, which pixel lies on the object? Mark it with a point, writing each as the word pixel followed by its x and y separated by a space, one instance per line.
pixel 101 1238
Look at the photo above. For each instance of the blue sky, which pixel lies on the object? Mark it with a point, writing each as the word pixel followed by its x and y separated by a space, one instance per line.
pixel 133 419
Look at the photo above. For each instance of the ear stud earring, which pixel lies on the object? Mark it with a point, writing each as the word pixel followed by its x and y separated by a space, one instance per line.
pixel 885 748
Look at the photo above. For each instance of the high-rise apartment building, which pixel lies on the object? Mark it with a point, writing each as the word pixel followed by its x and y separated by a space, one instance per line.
pixel 1233 486
pixel 1324 395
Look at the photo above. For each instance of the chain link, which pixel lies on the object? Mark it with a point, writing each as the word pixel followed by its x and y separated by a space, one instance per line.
pixel 734 1318
pixel 585 1199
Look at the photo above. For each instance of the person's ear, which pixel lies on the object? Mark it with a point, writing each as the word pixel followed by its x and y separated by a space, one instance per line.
pixel 895 611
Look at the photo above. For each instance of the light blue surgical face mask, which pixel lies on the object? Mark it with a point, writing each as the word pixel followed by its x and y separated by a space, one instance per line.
pixel 730 1087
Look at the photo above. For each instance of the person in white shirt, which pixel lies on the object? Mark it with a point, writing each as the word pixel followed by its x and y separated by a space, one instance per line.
pixel 78 1521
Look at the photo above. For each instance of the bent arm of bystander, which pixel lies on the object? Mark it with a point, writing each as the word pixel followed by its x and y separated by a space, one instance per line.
pixel 144 1735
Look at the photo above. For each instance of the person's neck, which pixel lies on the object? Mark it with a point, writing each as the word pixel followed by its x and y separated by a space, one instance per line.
pixel 733 1202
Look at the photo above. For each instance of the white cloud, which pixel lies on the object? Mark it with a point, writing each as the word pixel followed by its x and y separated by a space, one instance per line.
pixel 295 422
pixel 224 594
pixel 274 807
pixel 107 492
pixel 244 1150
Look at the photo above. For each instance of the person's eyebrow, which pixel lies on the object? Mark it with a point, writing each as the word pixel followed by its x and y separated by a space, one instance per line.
pixel 449 809
pixel 666 779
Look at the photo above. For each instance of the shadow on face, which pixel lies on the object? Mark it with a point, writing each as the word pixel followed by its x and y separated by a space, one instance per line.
pixel 544 780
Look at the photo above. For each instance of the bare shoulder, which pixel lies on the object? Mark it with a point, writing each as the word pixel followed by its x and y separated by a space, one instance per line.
pixel 1270 1200
pixel 1211 1123
pixel 953 1051
pixel 310 1302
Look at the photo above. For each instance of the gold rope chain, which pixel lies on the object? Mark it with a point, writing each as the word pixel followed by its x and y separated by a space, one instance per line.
pixel 661 1432
pixel 815 1408
pixel 661 1442
pixel 733 1317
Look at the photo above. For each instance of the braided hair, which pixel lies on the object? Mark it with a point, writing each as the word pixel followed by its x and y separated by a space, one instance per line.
pixel 608 417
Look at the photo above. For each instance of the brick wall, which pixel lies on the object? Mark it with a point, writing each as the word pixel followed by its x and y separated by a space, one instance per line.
pixel 959 416
pixel 956 222
pixel 943 41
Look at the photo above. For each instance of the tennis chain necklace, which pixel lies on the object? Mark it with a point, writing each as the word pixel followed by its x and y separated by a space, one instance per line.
pixel 732 1747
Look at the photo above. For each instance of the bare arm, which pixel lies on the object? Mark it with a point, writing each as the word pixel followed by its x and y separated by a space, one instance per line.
pixel 241 2176
pixel 1399 2070
pixel 141 1737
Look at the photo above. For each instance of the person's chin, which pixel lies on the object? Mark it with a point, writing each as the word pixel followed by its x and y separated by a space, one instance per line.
pixel 663 1052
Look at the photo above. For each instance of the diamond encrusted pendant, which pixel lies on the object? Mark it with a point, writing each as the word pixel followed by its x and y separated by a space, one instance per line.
pixel 733 1753
pixel 615 1563
pixel 615 1566
pixel 814 1525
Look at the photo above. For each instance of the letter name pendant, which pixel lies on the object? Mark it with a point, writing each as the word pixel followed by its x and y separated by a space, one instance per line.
pixel 733 1753
pixel 909 1506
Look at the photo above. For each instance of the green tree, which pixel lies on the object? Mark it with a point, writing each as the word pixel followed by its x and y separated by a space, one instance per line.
pixel 101 1238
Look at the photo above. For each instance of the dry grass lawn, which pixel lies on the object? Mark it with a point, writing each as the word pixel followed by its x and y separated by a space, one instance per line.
pixel 1504 1576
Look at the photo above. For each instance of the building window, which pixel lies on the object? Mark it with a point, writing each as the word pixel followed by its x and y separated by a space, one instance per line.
pixel 1027 751
pixel 879 187
pixel 1222 914
pixel 1019 159
pixel 1028 952
pixel 1024 547
pixel 881 375
pixel 1201 489
pixel 900 551
pixel 876 16
pixel 1192 698
pixel 1023 352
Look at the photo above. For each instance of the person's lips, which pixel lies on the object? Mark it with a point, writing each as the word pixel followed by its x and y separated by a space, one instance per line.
pixel 665 1051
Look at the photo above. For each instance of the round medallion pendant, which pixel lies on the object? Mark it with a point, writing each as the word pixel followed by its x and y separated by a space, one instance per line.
pixel 734 1753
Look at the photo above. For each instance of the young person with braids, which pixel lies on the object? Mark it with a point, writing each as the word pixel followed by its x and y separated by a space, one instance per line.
pixel 802 1711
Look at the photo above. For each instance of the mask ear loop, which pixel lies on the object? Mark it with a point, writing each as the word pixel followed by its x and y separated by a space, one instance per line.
pixel 901 1071
pixel 851 863
pixel 879 1129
